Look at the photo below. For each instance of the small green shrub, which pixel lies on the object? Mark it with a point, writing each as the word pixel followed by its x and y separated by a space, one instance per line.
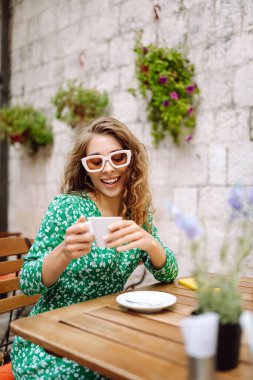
pixel 77 106
pixel 25 125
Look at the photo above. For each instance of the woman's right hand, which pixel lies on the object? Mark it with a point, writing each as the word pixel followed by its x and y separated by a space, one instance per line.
pixel 76 243
pixel 77 240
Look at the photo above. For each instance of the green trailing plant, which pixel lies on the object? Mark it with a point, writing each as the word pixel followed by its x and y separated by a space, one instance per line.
pixel 77 106
pixel 25 125
pixel 166 80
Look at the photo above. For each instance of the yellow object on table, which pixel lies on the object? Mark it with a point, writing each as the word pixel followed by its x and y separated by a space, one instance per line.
pixel 188 282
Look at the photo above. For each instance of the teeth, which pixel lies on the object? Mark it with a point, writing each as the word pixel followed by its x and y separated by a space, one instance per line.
pixel 110 181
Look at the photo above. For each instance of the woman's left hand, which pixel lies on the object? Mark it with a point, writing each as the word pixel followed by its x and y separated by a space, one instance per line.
pixel 129 233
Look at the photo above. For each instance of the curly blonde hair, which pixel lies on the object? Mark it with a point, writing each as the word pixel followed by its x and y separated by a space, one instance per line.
pixel 136 198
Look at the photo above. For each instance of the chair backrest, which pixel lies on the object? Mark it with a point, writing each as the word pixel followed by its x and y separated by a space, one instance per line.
pixel 4 234
pixel 14 248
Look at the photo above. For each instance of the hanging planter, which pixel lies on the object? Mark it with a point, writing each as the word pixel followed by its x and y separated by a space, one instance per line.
pixel 77 106
pixel 166 81
pixel 25 125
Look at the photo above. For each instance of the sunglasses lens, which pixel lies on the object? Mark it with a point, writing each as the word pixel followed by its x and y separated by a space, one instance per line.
pixel 94 163
pixel 119 159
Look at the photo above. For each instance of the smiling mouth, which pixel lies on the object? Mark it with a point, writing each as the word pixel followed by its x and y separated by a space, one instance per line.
pixel 110 181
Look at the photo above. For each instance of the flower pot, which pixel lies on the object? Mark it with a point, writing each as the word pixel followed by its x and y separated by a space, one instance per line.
pixel 228 346
pixel 228 349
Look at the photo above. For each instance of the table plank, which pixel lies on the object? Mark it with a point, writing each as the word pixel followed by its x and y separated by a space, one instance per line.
pixel 109 358
pixel 164 316
pixel 138 322
pixel 143 341
pixel 58 314
pixel 169 331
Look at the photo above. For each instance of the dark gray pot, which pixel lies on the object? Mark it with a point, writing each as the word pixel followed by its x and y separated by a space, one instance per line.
pixel 228 350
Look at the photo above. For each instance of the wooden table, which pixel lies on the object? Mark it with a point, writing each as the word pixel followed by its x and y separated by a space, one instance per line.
pixel 123 344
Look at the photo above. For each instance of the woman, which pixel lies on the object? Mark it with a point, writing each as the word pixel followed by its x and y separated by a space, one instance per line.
pixel 106 175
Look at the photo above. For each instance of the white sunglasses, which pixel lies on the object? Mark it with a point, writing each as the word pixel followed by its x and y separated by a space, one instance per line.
pixel 96 162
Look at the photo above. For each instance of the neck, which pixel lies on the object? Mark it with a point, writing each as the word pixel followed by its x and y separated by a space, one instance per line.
pixel 107 206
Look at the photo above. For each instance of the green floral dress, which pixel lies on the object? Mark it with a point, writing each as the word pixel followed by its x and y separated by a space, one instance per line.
pixel 102 271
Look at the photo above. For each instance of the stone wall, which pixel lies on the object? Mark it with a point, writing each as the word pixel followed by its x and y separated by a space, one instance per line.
pixel 47 39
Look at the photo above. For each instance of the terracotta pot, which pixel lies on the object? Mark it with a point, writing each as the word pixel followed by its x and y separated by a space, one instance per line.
pixel 228 350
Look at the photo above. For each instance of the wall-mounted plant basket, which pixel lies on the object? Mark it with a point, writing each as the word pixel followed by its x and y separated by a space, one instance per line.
pixel 77 106
pixel 166 81
pixel 25 125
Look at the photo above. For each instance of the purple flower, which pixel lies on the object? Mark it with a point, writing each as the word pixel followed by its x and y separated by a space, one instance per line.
pixel 235 199
pixel 189 138
pixel 190 89
pixel 190 226
pixel 166 103
pixel 174 95
pixel 250 196
pixel 145 50
pixel 190 110
pixel 163 80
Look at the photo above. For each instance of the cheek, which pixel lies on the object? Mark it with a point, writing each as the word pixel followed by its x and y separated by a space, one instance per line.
pixel 93 178
pixel 125 173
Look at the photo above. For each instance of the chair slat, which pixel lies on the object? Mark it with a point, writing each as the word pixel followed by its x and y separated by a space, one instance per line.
pixel 9 285
pixel 16 302
pixel 10 266
pixel 10 296
pixel 13 246
pixel 4 234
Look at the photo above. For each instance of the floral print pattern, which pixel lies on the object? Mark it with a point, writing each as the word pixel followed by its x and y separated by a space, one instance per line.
pixel 102 271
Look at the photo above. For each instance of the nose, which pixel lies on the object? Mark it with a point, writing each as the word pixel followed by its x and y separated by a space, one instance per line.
pixel 108 167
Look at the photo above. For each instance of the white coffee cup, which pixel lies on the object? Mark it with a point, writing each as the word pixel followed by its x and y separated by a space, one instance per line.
pixel 99 227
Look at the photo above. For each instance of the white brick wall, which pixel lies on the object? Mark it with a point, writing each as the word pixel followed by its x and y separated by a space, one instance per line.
pixel 47 38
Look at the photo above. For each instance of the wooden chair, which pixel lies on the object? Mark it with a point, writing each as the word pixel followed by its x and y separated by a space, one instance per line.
pixel 4 234
pixel 12 301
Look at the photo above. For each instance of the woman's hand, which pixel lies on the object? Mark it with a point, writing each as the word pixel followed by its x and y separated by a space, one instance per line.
pixel 77 241
pixel 129 233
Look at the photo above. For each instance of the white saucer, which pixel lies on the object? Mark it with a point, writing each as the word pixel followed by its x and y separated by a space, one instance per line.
pixel 146 301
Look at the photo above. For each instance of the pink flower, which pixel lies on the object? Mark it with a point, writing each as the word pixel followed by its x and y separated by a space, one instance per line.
pixel 163 80
pixel 144 68
pixel 189 138
pixel 190 111
pixel 174 95
pixel 19 138
pixel 166 103
pixel 190 89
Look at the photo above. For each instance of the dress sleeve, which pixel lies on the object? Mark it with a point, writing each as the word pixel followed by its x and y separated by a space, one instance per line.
pixel 60 215
pixel 170 269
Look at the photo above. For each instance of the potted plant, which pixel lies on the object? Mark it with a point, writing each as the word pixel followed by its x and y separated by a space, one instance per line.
pixel 166 81
pixel 25 125
pixel 219 292
pixel 77 106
